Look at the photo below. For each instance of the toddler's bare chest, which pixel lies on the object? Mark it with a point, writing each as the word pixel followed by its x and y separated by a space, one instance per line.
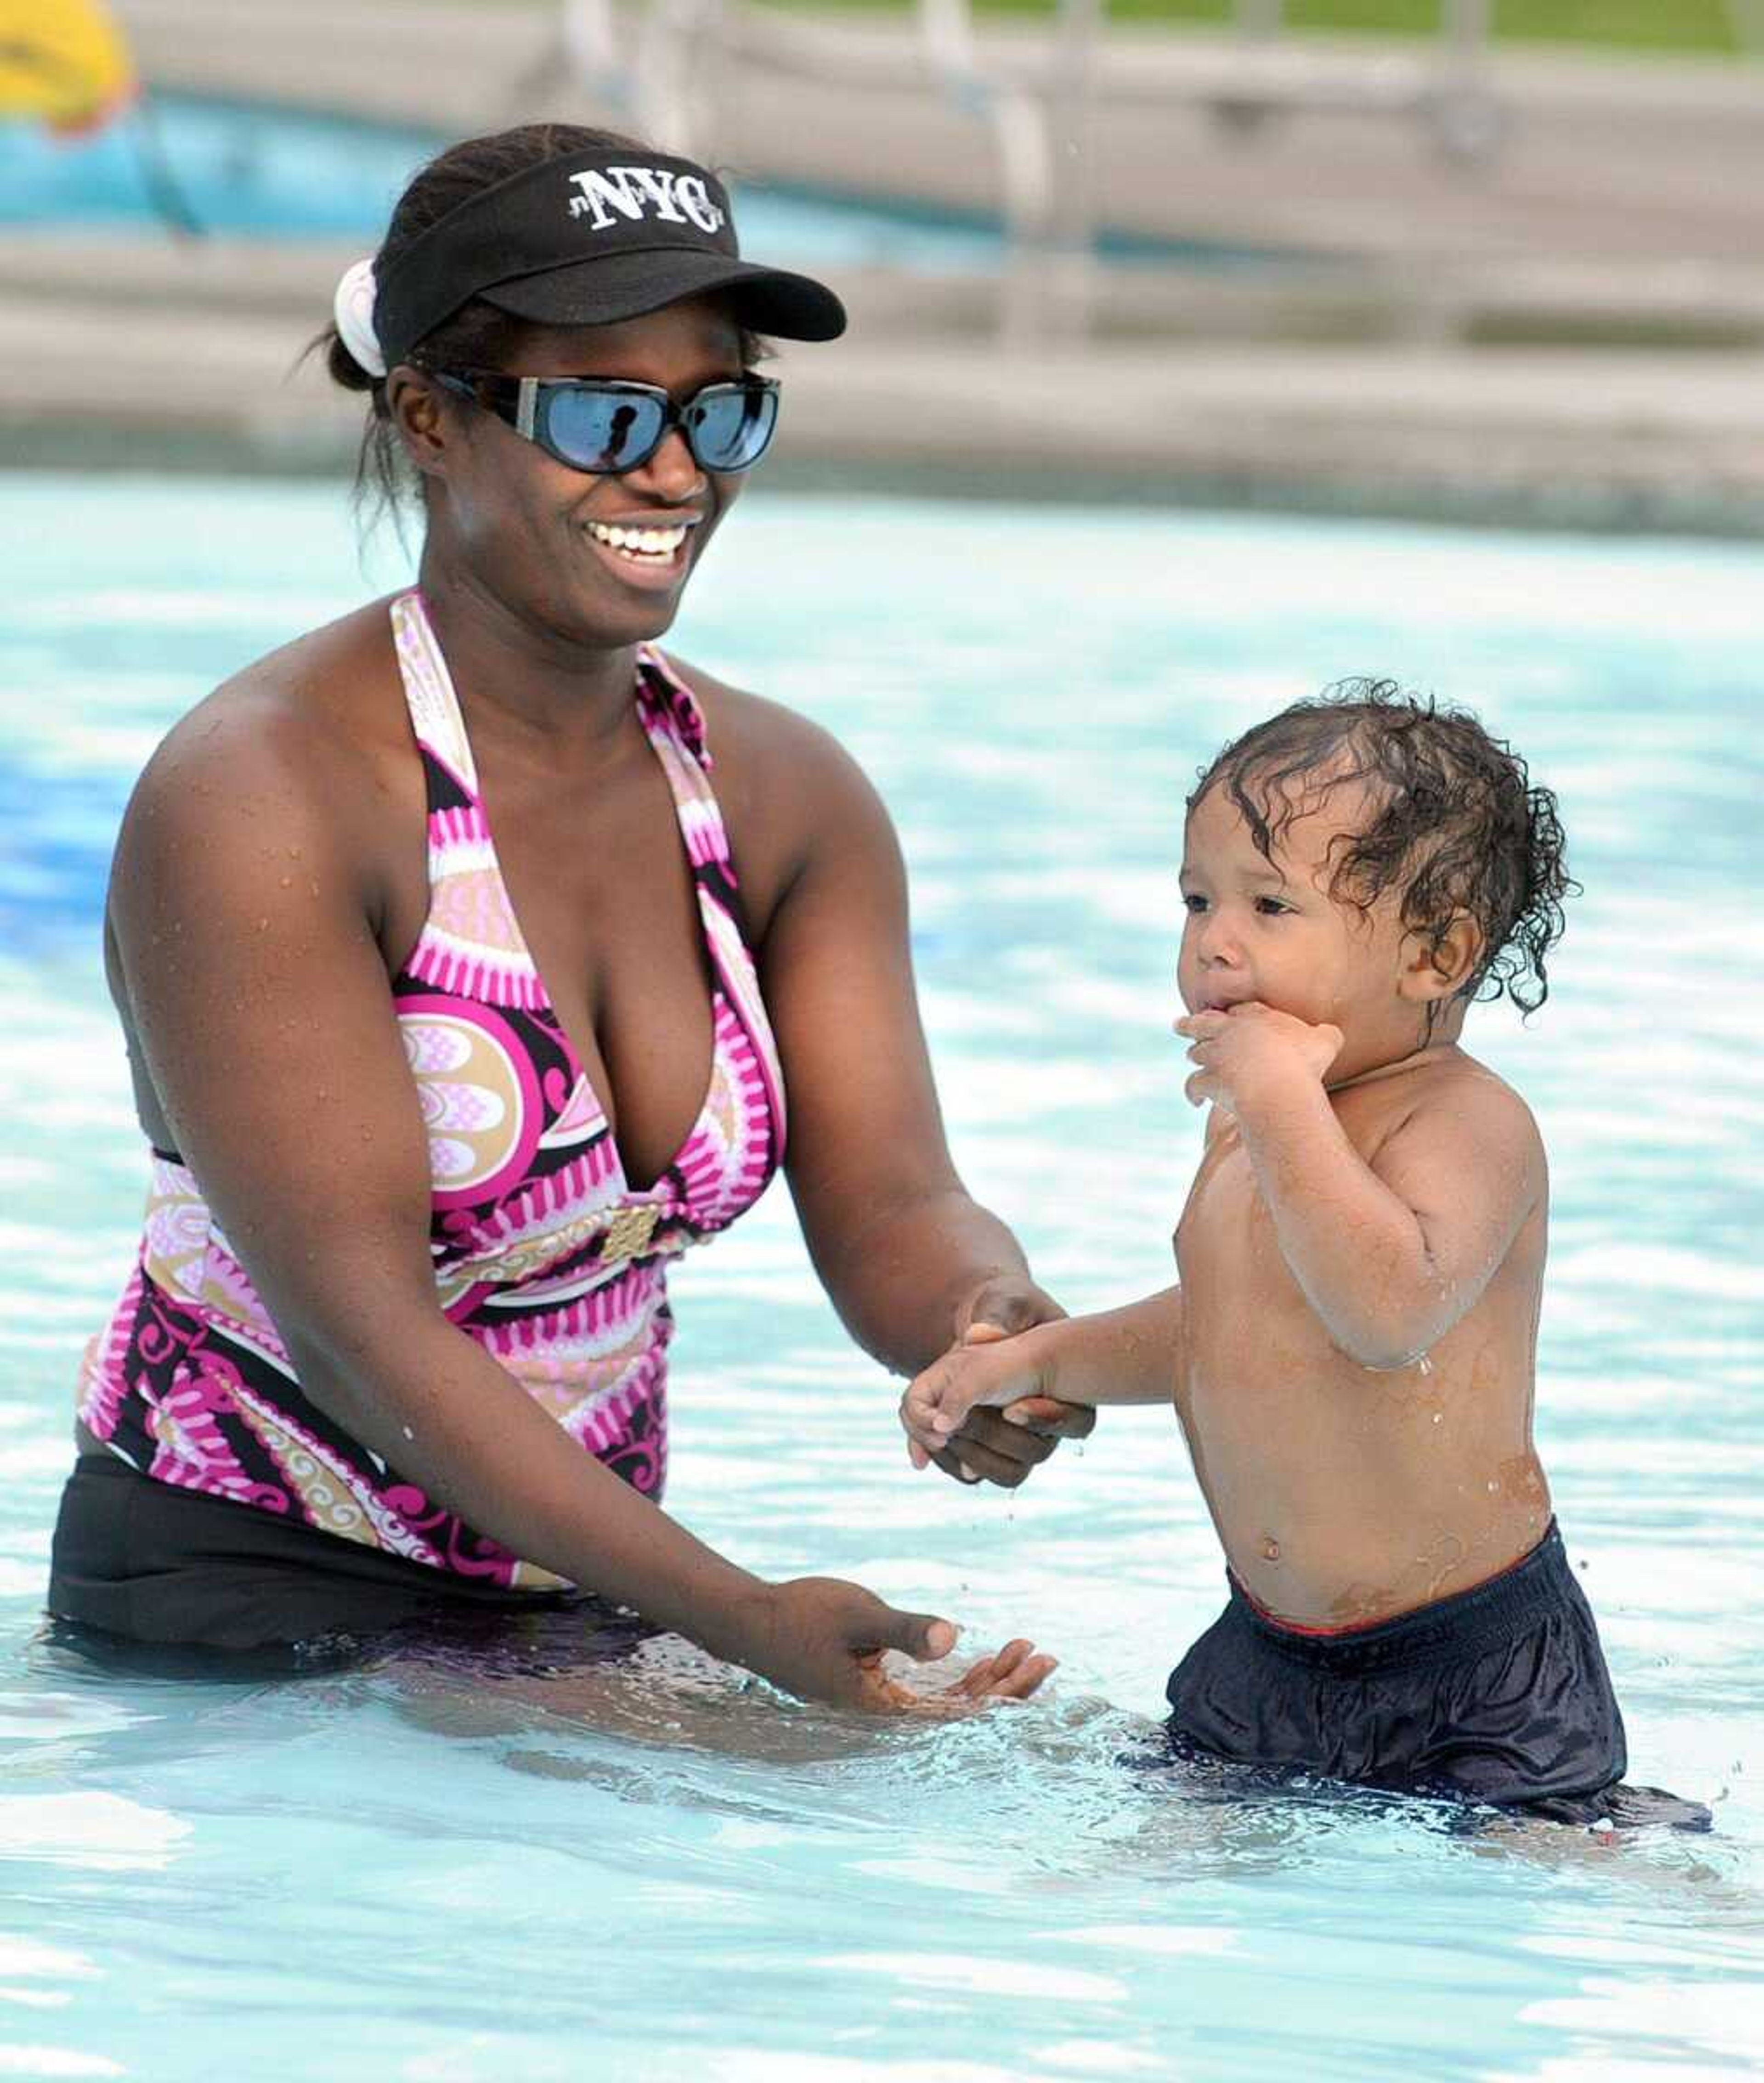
pixel 1224 1217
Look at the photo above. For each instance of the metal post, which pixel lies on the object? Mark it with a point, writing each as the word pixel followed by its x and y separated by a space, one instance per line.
pixel 1070 260
pixel 946 30
pixel 1468 24
pixel 1470 125
pixel 668 74
pixel 589 40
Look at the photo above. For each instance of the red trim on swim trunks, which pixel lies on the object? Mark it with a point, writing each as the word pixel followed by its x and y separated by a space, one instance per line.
pixel 1365 1627
pixel 1297 1627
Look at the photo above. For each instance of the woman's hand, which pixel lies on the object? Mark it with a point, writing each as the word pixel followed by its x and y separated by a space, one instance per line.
pixel 1004 1305
pixel 1001 1446
pixel 822 1638
pixel 1005 1373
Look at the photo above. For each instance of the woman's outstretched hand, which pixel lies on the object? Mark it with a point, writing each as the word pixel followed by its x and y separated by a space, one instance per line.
pixel 824 1639
pixel 1002 1447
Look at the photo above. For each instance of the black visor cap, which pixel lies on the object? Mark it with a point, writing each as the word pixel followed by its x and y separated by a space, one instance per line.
pixel 593 238
pixel 631 285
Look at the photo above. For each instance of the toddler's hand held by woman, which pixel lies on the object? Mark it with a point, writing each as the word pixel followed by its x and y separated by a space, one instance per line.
pixel 937 1404
pixel 1004 1447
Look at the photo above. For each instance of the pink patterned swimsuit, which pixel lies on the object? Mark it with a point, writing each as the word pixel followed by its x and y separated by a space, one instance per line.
pixel 542 1251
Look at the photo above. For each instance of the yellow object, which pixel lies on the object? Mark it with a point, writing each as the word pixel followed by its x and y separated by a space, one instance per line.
pixel 64 62
pixel 629 1232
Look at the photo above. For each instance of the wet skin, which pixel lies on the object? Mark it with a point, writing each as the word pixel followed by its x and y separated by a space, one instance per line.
pixel 271 877
pixel 1344 1493
pixel 1351 1348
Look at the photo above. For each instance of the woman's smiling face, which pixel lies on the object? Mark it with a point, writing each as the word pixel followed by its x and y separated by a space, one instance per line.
pixel 597 560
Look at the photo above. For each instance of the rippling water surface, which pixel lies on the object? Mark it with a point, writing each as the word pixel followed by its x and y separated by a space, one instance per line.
pixel 675 1874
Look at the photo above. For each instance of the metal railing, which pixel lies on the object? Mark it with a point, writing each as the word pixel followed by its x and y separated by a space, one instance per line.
pixel 657 61
pixel 1444 87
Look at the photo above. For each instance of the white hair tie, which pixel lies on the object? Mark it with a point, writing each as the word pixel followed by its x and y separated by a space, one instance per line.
pixel 354 308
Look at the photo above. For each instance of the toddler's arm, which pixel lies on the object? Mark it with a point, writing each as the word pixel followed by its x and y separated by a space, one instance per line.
pixel 1392 1253
pixel 1126 1355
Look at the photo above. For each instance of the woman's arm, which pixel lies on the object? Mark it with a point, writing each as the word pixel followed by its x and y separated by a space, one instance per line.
pixel 905 1251
pixel 912 1262
pixel 242 902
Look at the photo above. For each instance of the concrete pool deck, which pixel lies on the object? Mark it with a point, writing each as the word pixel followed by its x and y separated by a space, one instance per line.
pixel 1574 336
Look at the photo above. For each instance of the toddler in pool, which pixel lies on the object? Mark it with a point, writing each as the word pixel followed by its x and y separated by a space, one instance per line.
pixel 1351 1348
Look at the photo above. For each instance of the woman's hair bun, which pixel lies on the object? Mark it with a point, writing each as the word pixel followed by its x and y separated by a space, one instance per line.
pixel 341 365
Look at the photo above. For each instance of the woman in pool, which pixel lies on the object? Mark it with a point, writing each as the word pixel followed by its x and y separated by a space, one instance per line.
pixel 429 1107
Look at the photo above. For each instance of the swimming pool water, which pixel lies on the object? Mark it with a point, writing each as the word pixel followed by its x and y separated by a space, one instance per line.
pixel 363 1874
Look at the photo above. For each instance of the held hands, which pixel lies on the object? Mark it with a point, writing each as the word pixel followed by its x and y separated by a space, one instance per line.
pixel 999 1373
pixel 824 1639
pixel 1002 1447
pixel 1250 1047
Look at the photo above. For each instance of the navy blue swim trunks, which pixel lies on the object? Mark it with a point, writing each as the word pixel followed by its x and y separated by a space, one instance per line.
pixel 1498 1695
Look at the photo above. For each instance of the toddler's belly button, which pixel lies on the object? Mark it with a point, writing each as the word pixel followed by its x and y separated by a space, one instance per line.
pixel 1271 1548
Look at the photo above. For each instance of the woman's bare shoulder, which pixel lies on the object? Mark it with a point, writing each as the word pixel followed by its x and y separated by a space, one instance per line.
pixel 321 716
pixel 787 789
pixel 306 750
pixel 748 725
pixel 744 717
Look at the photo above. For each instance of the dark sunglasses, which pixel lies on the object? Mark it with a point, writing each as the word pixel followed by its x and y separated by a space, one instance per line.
pixel 604 426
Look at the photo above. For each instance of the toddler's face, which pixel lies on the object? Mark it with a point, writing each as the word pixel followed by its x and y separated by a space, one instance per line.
pixel 1268 930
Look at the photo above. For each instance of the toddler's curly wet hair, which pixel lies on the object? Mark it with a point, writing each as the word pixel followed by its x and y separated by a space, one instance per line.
pixel 1455 824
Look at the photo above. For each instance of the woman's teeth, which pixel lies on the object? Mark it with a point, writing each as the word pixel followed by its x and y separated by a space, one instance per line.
pixel 647 545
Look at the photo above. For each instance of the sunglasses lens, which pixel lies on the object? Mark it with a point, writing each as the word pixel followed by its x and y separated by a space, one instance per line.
pixel 729 425
pixel 604 431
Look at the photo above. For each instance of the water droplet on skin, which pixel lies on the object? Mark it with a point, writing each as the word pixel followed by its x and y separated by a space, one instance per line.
pixel 1439 1416
pixel 409 1433
pixel 1424 1365
pixel 1493 1487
